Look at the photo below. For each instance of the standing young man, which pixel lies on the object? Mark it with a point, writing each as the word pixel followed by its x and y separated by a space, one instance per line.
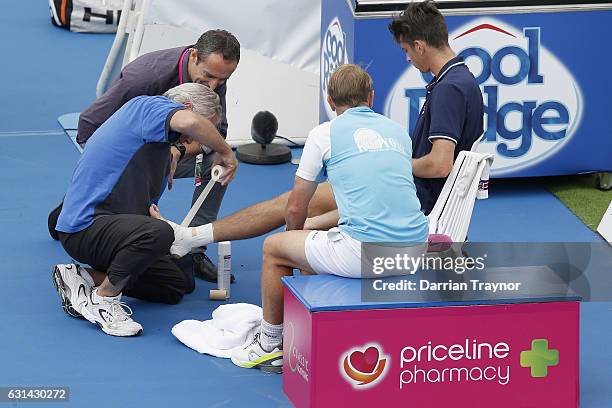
pixel 210 61
pixel 105 218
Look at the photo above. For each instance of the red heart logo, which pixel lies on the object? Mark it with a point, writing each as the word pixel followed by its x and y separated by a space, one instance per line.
pixel 366 361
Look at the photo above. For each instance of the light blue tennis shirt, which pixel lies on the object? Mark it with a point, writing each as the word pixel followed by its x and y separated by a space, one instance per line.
pixel 367 159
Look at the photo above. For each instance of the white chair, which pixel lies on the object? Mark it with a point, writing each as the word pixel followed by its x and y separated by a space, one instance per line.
pixel 469 180
pixel 126 44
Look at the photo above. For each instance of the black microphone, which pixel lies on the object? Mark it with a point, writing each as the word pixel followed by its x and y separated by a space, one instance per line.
pixel 263 131
pixel 264 127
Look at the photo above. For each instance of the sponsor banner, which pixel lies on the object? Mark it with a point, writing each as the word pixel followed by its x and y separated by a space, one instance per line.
pixel 337 41
pixel 333 54
pixel 481 356
pixel 545 106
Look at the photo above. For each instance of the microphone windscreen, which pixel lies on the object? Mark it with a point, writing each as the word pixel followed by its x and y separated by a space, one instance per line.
pixel 264 127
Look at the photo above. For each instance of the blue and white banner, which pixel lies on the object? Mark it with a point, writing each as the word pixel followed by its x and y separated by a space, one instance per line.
pixel 546 95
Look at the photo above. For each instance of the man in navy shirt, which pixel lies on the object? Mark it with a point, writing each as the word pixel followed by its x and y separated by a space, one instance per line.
pixel 451 119
pixel 105 219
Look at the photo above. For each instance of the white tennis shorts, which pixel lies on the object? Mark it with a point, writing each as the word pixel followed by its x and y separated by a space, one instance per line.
pixel 335 253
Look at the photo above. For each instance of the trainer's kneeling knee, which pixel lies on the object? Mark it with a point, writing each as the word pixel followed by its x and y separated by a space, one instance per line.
pixel 189 284
pixel 179 288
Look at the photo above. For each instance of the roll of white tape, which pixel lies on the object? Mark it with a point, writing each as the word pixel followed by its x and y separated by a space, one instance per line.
pixel 216 173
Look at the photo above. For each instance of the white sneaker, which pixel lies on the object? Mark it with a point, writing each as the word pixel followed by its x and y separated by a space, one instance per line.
pixel 111 314
pixel 73 285
pixel 252 355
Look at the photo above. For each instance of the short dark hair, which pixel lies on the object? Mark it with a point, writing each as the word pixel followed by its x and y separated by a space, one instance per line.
pixel 421 21
pixel 218 41
pixel 349 85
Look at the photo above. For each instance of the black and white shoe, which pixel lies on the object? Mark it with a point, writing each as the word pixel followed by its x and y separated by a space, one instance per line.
pixel 111 315
pixel 73 287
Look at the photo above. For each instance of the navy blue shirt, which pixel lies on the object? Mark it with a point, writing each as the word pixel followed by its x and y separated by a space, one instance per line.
pixel 453 110
pixel 124 167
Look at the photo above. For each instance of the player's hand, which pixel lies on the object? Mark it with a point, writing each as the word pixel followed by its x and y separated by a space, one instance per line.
pixel 309 224
pixel 229 164
pixel 155 213
pixel 175 156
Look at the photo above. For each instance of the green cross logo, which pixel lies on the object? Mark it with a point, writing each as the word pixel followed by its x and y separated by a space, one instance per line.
pixel 539 358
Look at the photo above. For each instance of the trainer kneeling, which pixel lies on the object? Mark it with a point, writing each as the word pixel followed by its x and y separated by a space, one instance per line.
pixel 367 160
pixel 105 219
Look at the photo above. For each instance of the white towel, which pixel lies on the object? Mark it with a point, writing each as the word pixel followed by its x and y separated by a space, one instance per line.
pixel 231 326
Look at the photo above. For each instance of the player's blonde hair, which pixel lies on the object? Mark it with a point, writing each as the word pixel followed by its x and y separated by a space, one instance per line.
pixel 350 86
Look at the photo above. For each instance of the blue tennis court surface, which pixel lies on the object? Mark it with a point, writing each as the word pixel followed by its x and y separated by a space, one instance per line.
pixel 41 346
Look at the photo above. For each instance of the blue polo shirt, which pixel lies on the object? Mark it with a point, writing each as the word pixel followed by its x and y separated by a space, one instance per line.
pixel 453 110
pixel 124 167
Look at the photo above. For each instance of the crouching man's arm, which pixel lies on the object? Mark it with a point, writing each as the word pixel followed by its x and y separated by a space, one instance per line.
pixel 202 130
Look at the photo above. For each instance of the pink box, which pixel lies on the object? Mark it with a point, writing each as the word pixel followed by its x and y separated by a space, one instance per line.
pixel 514 354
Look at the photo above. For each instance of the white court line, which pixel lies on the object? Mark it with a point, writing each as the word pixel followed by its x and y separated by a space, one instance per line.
pixel 23 133
pixel 33 133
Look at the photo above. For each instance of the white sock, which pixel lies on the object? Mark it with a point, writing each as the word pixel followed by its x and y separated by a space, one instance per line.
pixel 202 235
pixel 187 238
pixel 271 335
pixel 98 298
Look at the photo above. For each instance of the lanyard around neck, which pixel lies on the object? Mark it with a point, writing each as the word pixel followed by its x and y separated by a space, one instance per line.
pixel 180 67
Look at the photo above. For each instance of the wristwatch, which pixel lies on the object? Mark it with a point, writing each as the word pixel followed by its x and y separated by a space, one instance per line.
pixel 181 148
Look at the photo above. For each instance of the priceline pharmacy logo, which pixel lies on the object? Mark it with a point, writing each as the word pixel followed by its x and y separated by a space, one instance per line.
pixel 466 361
pixel 463 360
pixel 472 361
pixel 364 367
pixel 539 358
